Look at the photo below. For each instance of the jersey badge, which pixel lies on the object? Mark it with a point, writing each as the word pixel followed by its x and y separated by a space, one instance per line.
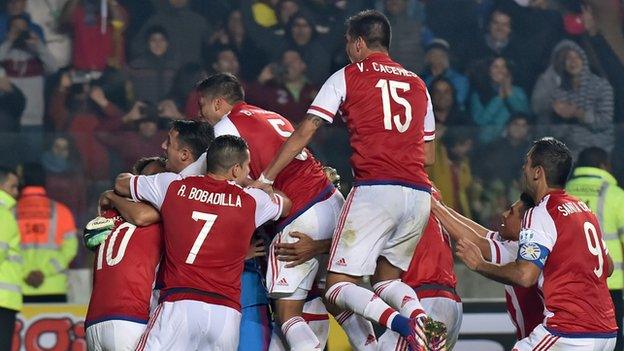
pixel 530 251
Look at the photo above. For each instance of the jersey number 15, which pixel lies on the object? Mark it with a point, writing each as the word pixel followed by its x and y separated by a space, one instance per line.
pixel 389 89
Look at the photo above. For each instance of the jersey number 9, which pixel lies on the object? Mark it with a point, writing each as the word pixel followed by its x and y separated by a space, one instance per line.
pixel 593 245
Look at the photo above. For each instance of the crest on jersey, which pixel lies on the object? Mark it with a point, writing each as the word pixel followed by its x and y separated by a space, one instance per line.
pixel 526 236
pixel 530 251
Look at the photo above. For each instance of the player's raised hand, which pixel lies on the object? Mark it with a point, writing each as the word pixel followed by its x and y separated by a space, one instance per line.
pixel 300 251
pixel 469 253
pixel 256 249
pixel 104 202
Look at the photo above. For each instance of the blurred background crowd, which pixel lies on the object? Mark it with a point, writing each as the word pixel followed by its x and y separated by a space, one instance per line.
pixel 89 86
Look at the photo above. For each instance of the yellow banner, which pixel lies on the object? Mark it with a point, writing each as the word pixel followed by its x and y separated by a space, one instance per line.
pixel 50 327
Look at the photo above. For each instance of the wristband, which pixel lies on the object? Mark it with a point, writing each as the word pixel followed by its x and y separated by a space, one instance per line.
pixel 265 180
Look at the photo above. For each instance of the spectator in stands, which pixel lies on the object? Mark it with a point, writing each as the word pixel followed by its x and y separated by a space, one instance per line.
pixel 495 98
pixel 451 173
pixel 235 36
pixel 447 110
pixel 406 45
pixel 438 64
pixel 578 103
pixel 65 180
pixel 152 72
pixel 12 104
pixel 226 61
pixel 302 36
pixel 48 239
pixel 78 108
pixel 188 31
pixel 284 88
pixel 505 154
pixel 18 8
pixel 26 61
pixel 46 13
pixel 97 39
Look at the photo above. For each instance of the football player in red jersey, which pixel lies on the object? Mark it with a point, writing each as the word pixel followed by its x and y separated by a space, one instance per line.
pixel 316 202
pixel 128 258
pixel 561 249
pixel 208 222
pixel 390 119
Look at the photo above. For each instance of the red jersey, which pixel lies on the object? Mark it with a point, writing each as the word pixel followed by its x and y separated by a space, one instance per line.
pixel 524 305
pixel 562 236
pixel 389 115
pixel 124 271
pixel 431 271
pixel 302 180
pixel 207 226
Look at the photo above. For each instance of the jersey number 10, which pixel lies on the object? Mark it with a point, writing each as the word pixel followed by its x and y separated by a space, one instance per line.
pixel 389 89
pixel 112 260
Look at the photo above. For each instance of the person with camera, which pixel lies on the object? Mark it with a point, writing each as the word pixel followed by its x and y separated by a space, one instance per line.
pixel 26 61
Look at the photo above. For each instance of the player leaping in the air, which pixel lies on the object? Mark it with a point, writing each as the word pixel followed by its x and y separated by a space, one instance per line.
pixel 391 124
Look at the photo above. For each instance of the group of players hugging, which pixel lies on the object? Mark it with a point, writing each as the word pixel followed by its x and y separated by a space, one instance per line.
pixel 178 230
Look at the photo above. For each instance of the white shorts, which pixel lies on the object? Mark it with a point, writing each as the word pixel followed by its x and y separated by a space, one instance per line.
pixel 319 223
pixel 315 314
pixel 114 335
pixel 191 325
pixel 378 220
pixel 541 339
pixel 445 310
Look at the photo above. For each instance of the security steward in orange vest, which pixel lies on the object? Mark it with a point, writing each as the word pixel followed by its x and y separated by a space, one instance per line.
pixel 48 240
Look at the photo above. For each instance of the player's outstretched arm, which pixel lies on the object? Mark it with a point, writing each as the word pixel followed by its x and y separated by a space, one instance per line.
pixel 430 153
pixel 122 184
pixel 299 139
pixel 522 273
pixel 476 227
pixel 459 230
pixel 137 213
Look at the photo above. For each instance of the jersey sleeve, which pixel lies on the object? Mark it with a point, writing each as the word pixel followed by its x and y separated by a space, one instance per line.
pixel 268 208
pixel 152 188
pixel 196 168
pixel 225 127
pixel 537 237
pixel 330 97
pixel 429 120
pixel 502 251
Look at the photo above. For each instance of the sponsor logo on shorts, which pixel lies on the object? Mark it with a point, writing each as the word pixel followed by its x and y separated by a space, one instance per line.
pixel 341 262
pixel 530 251
pixel 282 282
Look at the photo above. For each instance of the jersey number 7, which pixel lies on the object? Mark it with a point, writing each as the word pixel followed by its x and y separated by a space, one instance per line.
pixel 389 89
pixel 203 233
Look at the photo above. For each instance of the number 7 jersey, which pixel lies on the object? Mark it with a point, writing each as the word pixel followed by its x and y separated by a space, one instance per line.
pixel 562 236
pixel 389 115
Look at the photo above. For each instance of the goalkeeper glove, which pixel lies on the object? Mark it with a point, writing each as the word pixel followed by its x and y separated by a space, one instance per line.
pixel 96 231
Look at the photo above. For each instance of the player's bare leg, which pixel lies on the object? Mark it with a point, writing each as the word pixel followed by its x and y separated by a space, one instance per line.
pixel 387 285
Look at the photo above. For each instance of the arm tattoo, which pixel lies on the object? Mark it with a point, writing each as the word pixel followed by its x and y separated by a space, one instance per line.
pixel 316 120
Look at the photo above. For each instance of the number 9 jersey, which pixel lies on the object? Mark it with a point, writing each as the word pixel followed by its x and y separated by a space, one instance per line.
pixel 562 237
pixel 389 115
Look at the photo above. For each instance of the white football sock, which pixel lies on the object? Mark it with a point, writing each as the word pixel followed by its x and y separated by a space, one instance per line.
pixel 361 301
pixel 359 330
pixel 400 296
pixel 299 335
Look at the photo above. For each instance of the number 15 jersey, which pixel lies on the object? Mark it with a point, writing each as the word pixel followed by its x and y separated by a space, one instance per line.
pixel 389 115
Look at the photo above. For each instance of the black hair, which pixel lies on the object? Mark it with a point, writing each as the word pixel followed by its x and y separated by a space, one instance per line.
pixel 527 201
pixel 519 115
pixel 5 172
pixel 373 27
pixel 34 174
pixel 555 158
pixel 480 78
pixel 593 157
pixel 225 152
pixel 223 85
pixel 195 135
pixel 140 164
pixel 291 24
pixel 156 29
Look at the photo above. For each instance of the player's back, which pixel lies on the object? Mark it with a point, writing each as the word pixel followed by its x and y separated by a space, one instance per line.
pixel 208 226
pixel 575 273
pixel 124 271
pixel 386 111
pixel 432 263
pixel 303 180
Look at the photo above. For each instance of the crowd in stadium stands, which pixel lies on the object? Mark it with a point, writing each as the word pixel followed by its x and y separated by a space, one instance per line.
pixel 88 86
